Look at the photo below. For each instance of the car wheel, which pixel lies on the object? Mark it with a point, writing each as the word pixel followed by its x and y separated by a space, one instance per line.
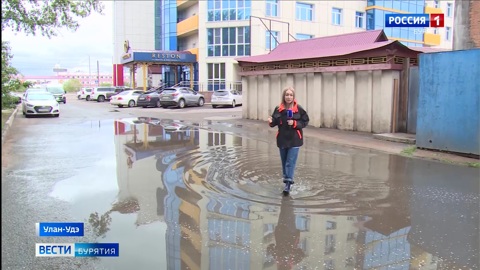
pixel 79 97
pixel 201 102
pixel 87 98
pixel 181 103
pixel 65 101
pixel 144 106
pixel 214 106
pixel 131 103
pixel 101 99
pixel 158 104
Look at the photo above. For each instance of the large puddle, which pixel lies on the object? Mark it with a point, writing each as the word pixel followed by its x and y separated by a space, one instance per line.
pixel 179 196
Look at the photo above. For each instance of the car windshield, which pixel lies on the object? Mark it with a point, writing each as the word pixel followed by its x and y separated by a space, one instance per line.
pixel 55 90
pixel 124 93
pixel 169 91
pixel 36 90
pixel 40 97
pixel 220 93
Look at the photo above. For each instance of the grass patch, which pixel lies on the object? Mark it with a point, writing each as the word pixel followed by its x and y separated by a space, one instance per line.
pixel 409 150
pixel 474 164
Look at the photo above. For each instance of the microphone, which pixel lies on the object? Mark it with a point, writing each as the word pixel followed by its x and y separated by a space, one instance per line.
pixel 289 115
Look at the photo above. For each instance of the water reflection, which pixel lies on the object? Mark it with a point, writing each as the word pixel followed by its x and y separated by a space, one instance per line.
pixel 220 197
pixel 285 252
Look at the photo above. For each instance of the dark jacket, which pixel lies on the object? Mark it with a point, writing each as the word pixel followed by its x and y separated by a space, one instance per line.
pixel 289 136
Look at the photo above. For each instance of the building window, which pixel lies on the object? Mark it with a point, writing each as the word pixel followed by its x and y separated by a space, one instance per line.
pixel 216 76
pixel 449 10
pixel 336 16
pixel 219 10
pixel 303 36
pixel 272 8
pixel 329 244
pixel 329 264
pixel 228 41
pixel 435 31
pixel 448 33
pixel 331 225
pixel 359 19
pixel 304 12
pixel 436 3
pixel 272 39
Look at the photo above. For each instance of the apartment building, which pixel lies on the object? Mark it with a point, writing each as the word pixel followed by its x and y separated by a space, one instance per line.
pixel 218 31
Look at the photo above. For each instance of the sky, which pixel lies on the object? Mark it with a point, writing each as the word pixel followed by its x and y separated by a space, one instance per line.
pixel 92 42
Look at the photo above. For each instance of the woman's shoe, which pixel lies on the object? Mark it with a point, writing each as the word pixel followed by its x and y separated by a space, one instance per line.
pixel 287 188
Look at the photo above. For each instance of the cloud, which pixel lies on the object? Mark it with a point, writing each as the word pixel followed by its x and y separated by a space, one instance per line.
pixel 93 40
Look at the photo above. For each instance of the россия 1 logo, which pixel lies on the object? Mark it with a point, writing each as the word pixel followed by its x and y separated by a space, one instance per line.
pixel 414 20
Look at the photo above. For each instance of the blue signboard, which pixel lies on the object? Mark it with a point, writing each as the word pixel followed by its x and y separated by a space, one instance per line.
pixel 159 56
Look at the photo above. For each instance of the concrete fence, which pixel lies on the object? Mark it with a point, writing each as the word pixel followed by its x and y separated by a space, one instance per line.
pixel 346 100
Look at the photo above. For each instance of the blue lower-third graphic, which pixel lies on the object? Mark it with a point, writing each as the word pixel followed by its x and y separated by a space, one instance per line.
pixel 76 250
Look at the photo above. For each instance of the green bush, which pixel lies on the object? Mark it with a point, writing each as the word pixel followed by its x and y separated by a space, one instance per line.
pixel 9 101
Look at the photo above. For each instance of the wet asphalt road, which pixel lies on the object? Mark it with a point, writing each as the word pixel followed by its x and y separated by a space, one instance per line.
pixel 190 189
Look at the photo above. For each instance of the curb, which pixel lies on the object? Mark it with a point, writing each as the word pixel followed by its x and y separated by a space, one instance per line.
pixel 9 123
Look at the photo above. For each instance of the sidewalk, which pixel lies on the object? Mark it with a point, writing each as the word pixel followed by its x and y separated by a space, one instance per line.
pixel 363 140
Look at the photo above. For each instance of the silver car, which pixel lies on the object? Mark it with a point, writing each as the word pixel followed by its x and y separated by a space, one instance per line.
pixel 181 97
pixel 226 97
pixel 41 103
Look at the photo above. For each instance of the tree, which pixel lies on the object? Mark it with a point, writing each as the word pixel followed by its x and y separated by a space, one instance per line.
pixel 9 82
pixel 45 17
pixel 72 85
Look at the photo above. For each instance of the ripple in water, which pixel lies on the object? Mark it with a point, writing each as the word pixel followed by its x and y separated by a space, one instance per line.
pixel 252 175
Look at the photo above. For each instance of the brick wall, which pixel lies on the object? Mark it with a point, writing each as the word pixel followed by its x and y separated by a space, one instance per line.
pixel 474 19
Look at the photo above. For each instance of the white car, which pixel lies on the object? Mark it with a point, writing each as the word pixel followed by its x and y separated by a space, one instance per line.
pixel 126 98
pixel 84 93
pixel 33 90
pixel 40 103
pixel 226 97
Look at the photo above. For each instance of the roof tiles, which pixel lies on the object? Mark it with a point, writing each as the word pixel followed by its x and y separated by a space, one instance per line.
pixel 323 47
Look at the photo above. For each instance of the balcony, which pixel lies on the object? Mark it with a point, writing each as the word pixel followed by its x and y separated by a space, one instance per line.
pixel 432 39
pixel 432 10
pixel 184 4
pixel 188 26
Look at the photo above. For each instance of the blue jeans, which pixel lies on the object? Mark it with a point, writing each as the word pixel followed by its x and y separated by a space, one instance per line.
pixel 289 160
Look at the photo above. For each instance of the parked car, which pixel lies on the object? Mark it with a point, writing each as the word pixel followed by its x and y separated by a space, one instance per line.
pixel 117 90
pixel 33 90
pixel 58 92
pixel 84 93
pixel 150 99
pixel 226 97
pixel 181 97
pixel 100 93
pixel 126 98
pixel 40 103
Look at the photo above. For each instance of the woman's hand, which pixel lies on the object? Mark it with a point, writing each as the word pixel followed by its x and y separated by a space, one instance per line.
pixel 290 122
pixel 269 119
